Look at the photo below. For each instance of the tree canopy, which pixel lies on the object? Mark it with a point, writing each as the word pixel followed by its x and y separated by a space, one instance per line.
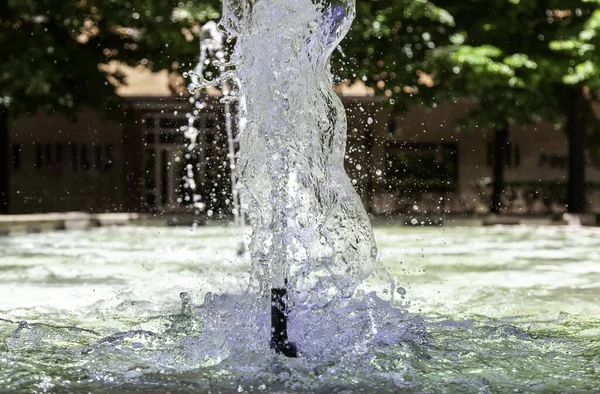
pixel 53 51
pixel 520 61
pixel 419 51
pixel 387 45
pixel 524 61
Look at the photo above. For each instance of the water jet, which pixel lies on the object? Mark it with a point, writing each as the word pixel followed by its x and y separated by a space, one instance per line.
pixel 310 229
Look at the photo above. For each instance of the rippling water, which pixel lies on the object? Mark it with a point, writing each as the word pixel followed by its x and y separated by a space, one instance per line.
pixel 485 310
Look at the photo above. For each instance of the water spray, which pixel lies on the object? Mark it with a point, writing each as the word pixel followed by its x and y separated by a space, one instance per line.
pixel 311 236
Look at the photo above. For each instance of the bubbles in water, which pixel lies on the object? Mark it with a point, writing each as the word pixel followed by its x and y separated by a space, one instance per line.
pixel 309 225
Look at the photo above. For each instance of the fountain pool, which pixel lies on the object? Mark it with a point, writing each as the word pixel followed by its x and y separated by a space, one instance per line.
pixel 492 309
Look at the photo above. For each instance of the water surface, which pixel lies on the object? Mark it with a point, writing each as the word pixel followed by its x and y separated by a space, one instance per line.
pixel 490 309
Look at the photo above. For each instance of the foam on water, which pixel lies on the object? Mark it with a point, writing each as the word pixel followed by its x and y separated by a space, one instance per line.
pixel 131 330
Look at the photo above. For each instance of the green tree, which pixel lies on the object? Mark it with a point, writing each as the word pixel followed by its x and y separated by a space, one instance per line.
pixel 520 61
pixel 577 49
pixel 388 43
pixel 52 52
pixel 493 57
pixel 524 61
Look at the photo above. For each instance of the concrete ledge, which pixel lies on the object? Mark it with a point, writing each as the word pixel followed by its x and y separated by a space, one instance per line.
pixel 36 223
pixel 454 220
pixel 168 219
pixel 115 219
pixel 494 220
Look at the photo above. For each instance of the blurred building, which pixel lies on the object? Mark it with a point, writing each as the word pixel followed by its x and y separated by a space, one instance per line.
pixel 417 162
pixel 432 167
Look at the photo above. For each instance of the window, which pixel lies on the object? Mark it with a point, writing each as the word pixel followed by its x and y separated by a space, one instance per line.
pixel 210 123
pixel 48 156
pixel 60 154
pixel 98 157
pixel 75 157
pixel 149 138
pixel 391 124
pixel 109 157
pixel 39 156
pixel 85 159
pixel 149 178
pixel 16 156
pixel 415 168
pixel 172 137
pixel 164 177
pixel 172 123
pixel 149 122
pixel 517 162
pixel 512 154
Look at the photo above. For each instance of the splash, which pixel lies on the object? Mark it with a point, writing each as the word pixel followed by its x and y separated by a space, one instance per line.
pixel 124 337
pixel 310 228
pixel 212 63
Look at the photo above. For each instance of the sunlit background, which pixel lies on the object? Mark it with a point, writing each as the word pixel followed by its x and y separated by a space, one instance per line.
pixel 454 108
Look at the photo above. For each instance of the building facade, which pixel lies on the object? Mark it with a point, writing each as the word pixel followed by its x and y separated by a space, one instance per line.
pixel 451 171
pixel 414 162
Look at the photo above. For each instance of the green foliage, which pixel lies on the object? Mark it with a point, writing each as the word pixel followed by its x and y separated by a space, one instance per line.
pixel 516 58
pixel 388 39
pixel 51 50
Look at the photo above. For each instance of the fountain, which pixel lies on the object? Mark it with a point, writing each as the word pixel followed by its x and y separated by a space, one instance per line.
pixel 309 225
pixel 99 319
pixel 311 235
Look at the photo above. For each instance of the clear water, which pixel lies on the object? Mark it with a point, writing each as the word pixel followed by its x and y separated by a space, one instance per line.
pixel 485 310
pixel 310 231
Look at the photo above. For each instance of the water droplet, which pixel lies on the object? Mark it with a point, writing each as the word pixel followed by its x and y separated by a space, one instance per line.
pixel 370 120
pixel 401 291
